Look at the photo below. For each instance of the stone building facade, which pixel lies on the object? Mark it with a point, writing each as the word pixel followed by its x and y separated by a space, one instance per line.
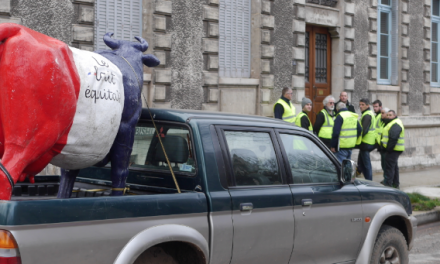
pixel 316 47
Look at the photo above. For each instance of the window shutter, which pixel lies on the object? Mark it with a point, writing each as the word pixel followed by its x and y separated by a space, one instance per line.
pixel 235 33
pixel 394 52
pixel 122 17
pixel 434 52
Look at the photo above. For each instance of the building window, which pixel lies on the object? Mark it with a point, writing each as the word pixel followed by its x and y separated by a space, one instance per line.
pixel 435 21
pixel 235 38
pixel 384 42
pixel 123 18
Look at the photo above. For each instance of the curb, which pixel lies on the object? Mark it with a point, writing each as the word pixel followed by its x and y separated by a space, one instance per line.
pixel 428 217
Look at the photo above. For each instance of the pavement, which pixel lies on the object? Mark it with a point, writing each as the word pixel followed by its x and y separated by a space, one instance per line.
pixel 424 181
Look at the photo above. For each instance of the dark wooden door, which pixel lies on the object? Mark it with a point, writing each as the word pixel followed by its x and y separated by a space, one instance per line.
pixel 318 67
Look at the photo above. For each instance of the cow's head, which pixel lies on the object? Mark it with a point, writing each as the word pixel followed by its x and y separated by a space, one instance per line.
pixel 130 49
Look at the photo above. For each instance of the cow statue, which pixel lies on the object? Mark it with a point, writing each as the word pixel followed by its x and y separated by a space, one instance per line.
pixel 68 107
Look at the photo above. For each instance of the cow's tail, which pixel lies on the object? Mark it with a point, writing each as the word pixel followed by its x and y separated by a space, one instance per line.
pixel 7 30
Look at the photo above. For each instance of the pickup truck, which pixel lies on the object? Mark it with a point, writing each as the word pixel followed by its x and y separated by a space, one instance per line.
pixel 254 190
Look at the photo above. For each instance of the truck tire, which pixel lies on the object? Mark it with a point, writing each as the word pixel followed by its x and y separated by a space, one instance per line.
pixel 390 247
pixel 155 255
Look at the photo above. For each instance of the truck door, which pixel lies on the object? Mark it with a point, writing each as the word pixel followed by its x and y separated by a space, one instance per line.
pixel 262 209
pixel 328 214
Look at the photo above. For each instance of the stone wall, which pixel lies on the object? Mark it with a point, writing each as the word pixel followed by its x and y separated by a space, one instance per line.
pixel 54 17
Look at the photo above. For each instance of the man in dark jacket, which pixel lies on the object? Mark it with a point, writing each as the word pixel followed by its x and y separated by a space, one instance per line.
pixel 343 97
pixel 393 144
pixel 324 122
pixel 283 108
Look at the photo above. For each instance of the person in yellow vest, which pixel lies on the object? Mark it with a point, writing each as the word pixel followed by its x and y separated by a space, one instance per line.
pixel 346 132
pixel 283 108
pixel 379 127
pixel 368 143
pixel 377 108
pixel 393 144
pixel 323 126
pixel 302 119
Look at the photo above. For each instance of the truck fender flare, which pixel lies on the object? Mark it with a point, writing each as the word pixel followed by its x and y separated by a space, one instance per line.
pixel 379 218
pixel 157 235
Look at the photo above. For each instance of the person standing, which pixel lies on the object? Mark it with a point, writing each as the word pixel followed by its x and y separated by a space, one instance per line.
pixel 346 131
pixel 323 126
pixel 343 97
pixel 383 122
pixel 368 142
pixel 302 120
pixel 377 107
pixel 393 143
pixel 283 108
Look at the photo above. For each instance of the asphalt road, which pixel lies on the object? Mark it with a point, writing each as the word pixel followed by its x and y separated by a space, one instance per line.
pixel 426 248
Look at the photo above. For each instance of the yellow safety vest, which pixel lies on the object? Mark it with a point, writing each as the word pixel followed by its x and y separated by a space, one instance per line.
pixel 298 120
pixel 400 146
pixel 326 130
pixel 348 135
pixel 379 128
pixel 370 137
pixel 289 111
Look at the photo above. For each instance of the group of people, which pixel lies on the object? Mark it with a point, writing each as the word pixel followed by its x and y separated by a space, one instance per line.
pixel 340 129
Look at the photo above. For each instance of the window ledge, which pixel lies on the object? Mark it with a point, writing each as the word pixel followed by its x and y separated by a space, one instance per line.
pixel 239 81
pixel 388 88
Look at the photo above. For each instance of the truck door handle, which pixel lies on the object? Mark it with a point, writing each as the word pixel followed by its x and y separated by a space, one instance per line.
pixel 246 207
pixel 306 202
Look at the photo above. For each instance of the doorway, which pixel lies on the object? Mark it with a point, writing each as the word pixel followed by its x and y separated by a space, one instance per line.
pixel 317 67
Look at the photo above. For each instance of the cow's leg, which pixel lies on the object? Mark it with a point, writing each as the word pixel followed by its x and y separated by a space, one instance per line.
pixel 120 157
pixel 66 183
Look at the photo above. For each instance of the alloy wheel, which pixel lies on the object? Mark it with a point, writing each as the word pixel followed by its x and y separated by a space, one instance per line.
pixel 389 256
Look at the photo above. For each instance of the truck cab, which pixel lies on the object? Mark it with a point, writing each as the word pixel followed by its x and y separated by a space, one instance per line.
pixel 254 190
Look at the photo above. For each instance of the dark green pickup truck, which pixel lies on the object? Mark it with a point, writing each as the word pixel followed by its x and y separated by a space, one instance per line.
pixel 254 190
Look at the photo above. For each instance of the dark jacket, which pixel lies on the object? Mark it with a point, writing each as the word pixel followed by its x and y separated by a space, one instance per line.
pixel 305 123
pixel 393 136
pixel 337 129
pixel 279 109
pixel 350 107
pixel 319 122
pixel 366 123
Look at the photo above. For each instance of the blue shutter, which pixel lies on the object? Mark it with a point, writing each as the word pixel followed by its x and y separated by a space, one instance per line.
pixel 122 17
pixel 384 43
pixel 435 31
pixel 394 52
pixel 235 36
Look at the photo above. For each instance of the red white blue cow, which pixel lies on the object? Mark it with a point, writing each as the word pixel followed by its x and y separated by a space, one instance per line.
pixel 68 107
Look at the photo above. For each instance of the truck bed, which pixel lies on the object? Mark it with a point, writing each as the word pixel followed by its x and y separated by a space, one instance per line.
pixel 46 187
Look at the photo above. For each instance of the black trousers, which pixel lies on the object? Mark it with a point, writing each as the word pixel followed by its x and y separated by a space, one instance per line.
pixel 392 168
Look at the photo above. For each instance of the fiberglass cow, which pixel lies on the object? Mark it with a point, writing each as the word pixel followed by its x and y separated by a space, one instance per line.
pixel 66 106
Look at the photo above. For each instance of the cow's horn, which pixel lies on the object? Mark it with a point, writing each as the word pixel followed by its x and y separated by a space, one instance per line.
pixel 143 46
pixel 109 41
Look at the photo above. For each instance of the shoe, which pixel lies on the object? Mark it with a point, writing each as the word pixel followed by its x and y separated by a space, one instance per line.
pixel 358 174
pixel 382 182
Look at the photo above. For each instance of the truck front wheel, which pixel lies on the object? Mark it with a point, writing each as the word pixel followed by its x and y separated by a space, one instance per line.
pixel 390 247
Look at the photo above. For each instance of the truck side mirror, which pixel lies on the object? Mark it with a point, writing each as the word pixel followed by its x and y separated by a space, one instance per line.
pixel 348 171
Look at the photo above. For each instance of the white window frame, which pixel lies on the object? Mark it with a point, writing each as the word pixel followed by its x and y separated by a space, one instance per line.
pixel 435 19
pixel 384 9
pixel 114 21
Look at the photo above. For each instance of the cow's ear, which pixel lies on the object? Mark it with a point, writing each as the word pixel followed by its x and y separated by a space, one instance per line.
pixel 150 60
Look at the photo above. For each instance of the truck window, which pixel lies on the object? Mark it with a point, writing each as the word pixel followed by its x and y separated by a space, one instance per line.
pixel 253 158
pixel 147 151
pixel 307 161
